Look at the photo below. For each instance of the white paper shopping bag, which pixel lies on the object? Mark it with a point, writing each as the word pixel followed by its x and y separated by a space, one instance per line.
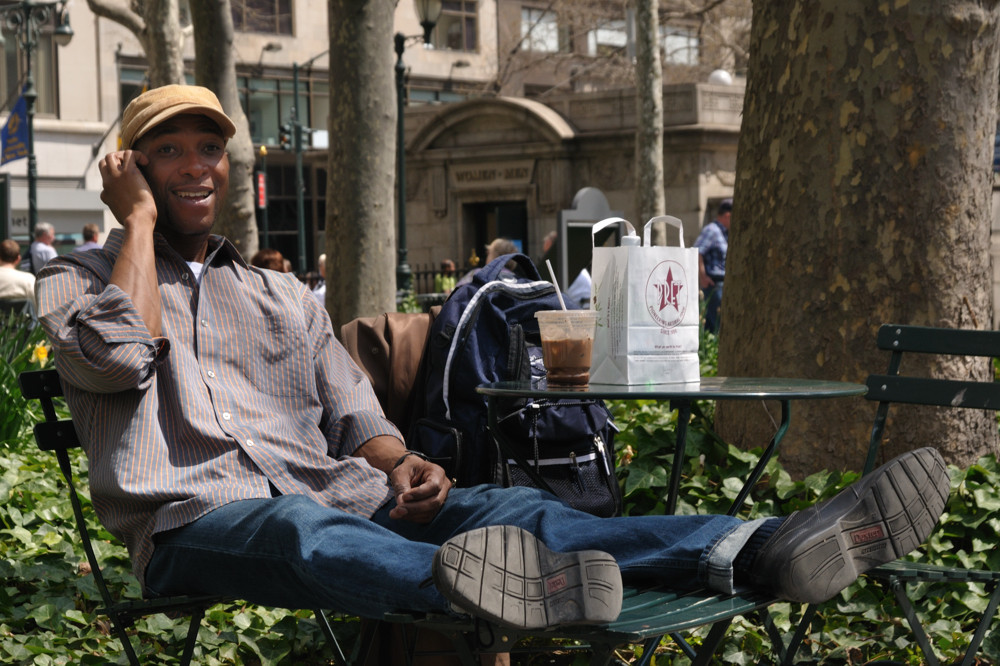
pixel 646 298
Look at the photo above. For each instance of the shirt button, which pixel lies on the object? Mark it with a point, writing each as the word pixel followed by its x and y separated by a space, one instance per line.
pixel 204 322
pixel 184 276
pixel 211 373
pixel 249 442
pixel 226 415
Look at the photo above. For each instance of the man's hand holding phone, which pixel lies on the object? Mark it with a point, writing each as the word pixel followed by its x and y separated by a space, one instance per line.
pixel 129 197
pixel 126 192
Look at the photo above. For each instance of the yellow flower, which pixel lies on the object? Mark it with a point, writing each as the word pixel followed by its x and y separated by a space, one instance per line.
pixel 40 354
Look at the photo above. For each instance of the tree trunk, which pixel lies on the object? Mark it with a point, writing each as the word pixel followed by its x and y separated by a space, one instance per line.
pixel 650 197
pixel 163 42
pixel 215 68
pixel 158 29
pixel 863 197
pixel 360 224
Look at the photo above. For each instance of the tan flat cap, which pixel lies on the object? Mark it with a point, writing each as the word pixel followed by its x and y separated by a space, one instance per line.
pixel 157 105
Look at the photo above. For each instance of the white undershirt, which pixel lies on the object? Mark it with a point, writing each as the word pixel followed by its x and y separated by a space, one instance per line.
pixel 196 270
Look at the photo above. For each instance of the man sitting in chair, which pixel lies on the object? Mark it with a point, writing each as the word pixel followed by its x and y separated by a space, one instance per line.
pixel 237 450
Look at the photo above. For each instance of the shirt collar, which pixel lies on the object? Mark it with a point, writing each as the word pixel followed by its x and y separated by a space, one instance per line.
pixel 219 251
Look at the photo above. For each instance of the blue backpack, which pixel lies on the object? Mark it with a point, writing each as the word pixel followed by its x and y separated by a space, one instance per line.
pixel 487 332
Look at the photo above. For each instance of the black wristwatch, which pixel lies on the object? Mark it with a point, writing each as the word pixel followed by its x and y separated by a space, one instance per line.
pixel 409 453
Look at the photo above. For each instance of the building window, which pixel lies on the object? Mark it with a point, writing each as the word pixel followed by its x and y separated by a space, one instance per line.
pixel 456 29
pixel 539 30
pixel 272 17
pixel 417 95
pixel 609 39
pixel 12 74
pixel 680 46
pixel 268 104
pixel 283 212
pixel 266 101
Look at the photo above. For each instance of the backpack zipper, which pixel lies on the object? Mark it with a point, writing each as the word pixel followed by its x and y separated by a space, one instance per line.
pixel 599 443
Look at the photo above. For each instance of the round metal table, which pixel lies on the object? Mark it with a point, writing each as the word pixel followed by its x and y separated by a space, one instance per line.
pixel 781 389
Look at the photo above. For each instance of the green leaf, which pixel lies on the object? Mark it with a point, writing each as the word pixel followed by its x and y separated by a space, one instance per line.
pixel 641 478
pixel 987 499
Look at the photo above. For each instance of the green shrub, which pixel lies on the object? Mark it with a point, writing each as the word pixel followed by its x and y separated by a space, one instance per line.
pixel 22 347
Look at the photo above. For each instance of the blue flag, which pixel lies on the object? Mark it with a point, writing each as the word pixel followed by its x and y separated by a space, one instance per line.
pixel 14 135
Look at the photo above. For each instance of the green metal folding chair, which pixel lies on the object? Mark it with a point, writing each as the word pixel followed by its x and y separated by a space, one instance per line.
pixel 59 436
pixel 894 387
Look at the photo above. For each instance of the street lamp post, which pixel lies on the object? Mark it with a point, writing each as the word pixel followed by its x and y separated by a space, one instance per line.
pixel 300 184
pixel 429 12
pixel 25 19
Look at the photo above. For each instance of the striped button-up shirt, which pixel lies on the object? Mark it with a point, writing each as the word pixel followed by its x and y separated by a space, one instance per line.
pixel 248 386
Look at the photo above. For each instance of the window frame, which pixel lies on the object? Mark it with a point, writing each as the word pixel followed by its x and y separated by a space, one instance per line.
pixel 276 20
pixel 466 17
pixel 531 40
pixel 45 61
pixel 689 54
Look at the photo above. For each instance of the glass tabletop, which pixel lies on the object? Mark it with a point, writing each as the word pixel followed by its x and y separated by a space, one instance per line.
pixel 709 388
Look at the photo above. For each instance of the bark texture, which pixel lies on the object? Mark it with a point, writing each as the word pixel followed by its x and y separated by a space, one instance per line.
pixel 156 24
pixel 650 197
pixel 360 224
pixel 215 68
pixel 862 197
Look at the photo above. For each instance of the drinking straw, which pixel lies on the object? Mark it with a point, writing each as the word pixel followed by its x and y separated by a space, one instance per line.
pixel 548 263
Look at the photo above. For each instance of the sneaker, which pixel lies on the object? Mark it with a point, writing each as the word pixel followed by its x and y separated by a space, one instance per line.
pixel 507 576
pixel 819 551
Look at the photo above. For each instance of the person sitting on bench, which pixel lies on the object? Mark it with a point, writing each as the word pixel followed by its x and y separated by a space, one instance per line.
pixel 237 450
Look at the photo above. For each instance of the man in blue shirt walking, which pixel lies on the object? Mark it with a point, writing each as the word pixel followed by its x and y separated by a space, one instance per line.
pixel 712 244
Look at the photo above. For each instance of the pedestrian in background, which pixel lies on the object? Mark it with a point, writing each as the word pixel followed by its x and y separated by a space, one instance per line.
pixel 496 248
pixel 15 285
pixel 90 232
pixel 270 259
pixel 41 249
pixel 444 282
pixel 713 244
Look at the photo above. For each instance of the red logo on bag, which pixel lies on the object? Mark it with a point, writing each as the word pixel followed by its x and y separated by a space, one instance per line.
pixel 666 295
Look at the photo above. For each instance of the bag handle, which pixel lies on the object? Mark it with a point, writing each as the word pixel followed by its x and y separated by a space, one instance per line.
pixel 491 271
pixel 607 222
pixel 669 219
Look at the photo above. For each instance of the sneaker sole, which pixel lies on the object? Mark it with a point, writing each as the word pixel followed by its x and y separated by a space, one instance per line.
pixel 877 520
pixel 505 575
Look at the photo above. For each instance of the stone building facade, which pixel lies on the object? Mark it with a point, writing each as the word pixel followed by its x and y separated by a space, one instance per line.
pixel 508 166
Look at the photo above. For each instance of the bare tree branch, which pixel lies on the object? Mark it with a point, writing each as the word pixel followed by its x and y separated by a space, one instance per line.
pixel 121 13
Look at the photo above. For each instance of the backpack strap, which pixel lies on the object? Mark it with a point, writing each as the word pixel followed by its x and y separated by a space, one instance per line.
pixel 492 270
pixel 471 311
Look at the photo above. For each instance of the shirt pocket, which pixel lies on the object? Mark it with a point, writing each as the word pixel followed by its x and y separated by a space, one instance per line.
pixel 279 359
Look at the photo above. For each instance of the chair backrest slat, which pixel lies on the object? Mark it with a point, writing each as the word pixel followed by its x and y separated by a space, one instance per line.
pixel 40 384
pixel 56 435
pixel 927 340
pixel 51 434
pixel 892 387
pixel 941 392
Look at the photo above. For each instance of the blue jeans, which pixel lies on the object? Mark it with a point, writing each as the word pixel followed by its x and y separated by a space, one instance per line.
pixel 291 552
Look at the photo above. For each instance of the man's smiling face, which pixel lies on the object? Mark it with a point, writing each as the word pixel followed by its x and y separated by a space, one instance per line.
pixel 188 173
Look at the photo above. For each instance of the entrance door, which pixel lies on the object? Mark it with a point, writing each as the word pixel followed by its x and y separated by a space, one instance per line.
pixel 495 219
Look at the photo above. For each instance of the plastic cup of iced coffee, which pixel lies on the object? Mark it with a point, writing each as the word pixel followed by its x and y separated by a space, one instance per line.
pixel 567 341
